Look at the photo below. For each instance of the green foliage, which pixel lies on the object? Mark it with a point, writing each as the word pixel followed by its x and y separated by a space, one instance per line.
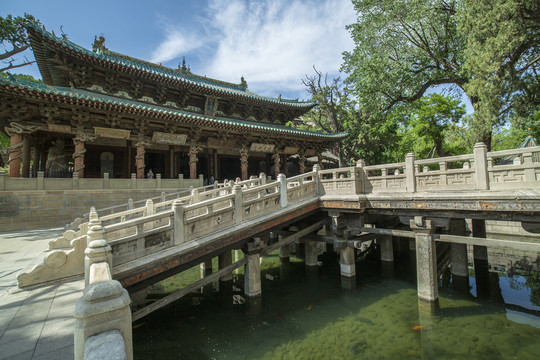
pixel 502 60
pixel 402 49
pixel 24 77
pixel 14 39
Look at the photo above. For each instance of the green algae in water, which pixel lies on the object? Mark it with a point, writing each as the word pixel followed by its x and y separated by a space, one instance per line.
pixel 302 317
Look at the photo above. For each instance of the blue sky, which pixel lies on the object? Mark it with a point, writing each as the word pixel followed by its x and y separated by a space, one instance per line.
pixel 273 44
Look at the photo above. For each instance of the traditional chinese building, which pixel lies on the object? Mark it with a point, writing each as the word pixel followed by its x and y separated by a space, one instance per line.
pixel 103 112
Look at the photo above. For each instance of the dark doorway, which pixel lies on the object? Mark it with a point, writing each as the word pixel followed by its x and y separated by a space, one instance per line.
pixel 229 168
pixel 156 162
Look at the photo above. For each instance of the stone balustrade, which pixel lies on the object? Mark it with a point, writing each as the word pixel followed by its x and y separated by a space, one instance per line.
pixel 103 328
pixel 75 183
pixel 477 171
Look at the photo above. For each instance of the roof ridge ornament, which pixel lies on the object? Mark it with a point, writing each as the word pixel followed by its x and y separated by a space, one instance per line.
pixel 99 45
pixel 243 83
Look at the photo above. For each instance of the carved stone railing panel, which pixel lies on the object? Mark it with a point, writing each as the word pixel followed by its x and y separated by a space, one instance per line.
pixel 342 181
pixel 208 216
pixel 139 237
pixel 261 200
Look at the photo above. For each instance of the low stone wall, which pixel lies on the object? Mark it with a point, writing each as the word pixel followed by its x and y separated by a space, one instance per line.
pixel 24 210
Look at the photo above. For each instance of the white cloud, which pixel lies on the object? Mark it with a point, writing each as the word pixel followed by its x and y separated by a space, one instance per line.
pixel 177 42
pixel 273 44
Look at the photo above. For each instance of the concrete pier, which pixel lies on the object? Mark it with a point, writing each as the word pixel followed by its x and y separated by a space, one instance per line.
pixel 225 260
pixel 347 262
pixel 426 259
pixel 387 248
pixel 311 252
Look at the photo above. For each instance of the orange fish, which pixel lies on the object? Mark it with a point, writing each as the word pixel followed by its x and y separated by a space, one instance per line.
pixel 418 327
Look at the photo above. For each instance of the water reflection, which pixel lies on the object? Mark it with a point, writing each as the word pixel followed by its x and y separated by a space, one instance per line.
pixel 307 314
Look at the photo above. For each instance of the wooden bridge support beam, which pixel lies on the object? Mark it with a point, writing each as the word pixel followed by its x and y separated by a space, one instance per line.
pixel 225 260
pixel 311 252
pixel 426 259
pixel 458 256
pixel 387 248
pixel 480 256
pixel 206 268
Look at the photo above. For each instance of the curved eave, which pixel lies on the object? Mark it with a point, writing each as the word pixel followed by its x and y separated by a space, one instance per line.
pixel 151 72
pixel 109 103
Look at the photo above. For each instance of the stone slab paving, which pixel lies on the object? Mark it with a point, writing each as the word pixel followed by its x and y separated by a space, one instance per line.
pixel 36 323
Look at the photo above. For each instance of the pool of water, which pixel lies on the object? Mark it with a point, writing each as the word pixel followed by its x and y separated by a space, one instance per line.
pixel 314 315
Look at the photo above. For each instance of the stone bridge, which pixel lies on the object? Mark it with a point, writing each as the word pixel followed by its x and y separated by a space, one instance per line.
pixel 425 200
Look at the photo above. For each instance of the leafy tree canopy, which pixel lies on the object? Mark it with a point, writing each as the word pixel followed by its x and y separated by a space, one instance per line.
pixel 14 40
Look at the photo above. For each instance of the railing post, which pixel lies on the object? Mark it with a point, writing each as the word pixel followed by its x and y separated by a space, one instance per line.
pixel 149 207
pixel 130 204
pixel 201 180
pixel 238 204
pixel 133 181
pixel 178 210
pixel 262 176
pixel 361 176
pixel 105 180
pixel 282 179
pixel 75 181
pixel 97 251
pixel 181 181
pixel 162 196
pixel 529 170
pixel 40 185
pixel 480 166
pixel 316 177
pixel 442 168
pixel 410 176
pixel 194 196
pixel 158 181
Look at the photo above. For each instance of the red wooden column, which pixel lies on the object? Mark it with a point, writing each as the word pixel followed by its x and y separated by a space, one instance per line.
pixel 284 162
pixel 193 150
pixel 302 162
pixel 78 156
pixel 36 158
pixel 139 160
pixel 26 156
pixel 15 147
pixel 277 160
pixel 244 162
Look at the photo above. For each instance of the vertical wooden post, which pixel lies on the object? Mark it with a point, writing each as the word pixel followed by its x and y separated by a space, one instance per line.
pixel 26 156
pixel 139 160
pixel 193 150
pixel 78 156
pixel 35 160
pixel 277 160
pixel 302 162
pixel 244 162
pixel 15 145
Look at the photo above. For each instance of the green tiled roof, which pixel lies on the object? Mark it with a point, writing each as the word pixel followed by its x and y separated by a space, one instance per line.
pixel 115 60
pixel 76 96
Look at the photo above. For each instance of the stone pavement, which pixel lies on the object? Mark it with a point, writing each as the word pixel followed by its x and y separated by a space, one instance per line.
pixel 36 323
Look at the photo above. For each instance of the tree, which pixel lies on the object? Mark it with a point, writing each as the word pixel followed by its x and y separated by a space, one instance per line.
pixel 337 111
pixel 432 116
pixel 402 49
pixel 503 59
pixel 14 40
